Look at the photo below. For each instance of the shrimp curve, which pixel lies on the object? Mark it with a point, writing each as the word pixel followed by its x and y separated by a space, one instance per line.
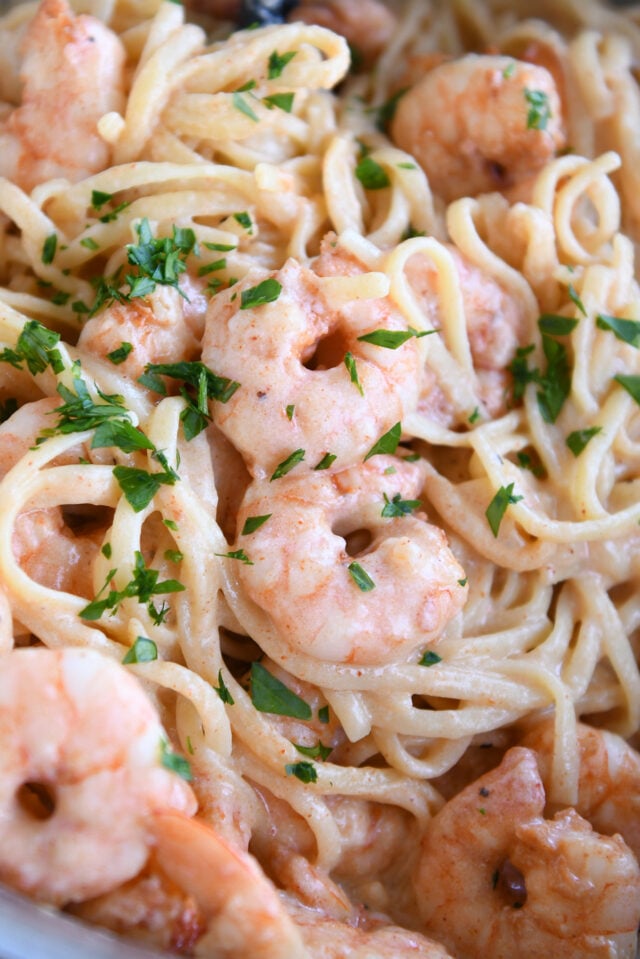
pixel 496 122
pixel 80 772
pixel 297 392
pixel 73 73
pixel 303 574
pixel 495 878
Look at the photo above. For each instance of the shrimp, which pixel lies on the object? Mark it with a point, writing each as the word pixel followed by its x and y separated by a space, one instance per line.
pixel 73 73
pixel 305 563
pixel 368 26
pixel 297 391
pixel 609 779
pixel 496 321
pixel 80 772
pixel 330 939
pixel 495 878
pixel 480 123
pixel 243 911
pixel 49 551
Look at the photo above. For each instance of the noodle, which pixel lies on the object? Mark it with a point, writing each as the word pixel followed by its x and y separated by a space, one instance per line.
pixel 228 348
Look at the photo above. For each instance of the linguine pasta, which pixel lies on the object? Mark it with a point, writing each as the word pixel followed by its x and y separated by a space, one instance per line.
pixel 136 419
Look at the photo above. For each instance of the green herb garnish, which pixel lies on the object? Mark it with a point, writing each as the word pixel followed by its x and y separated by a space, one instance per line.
pixel 360 577
pixel 269 695
pixel 498 506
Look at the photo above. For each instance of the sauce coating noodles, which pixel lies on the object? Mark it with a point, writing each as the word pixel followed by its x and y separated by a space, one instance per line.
pixel 320 389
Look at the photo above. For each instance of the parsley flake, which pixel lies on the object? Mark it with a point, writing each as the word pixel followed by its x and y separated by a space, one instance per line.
pixel 37 347
pixel 238 554
pixel 319 751
pixel 327 460
pixel 398 507
pixel 360 577
pixel 539 112
pixel 350 363
pixel 241 104
pixel 174 761
pixel 139 486
pixel 371 174
pixel 143 651
pixel 631 384
pixel 120 354
pixel 49 248
pixel 277 63
pixel 252 523
pixel 626 330
pixel 269 695
pixel 388 442
pixel 304 771
pixel 577 440
pixel 498 506
pixel 266 292
pixel 223 691
pixel 283 101
pixel 287 465
pixel 244 220
pixel 429 658
pixel 392 339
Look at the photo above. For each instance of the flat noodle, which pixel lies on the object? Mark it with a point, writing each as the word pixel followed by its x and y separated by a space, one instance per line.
pixel 343 617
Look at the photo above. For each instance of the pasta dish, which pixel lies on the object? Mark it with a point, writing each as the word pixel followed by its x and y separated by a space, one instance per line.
pixel 320 474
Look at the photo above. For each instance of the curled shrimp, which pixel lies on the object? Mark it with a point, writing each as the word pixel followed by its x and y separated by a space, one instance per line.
pixel 48 550
pixel 344 575
pixel 297 391
pixel 159 328
pixel 73 73
pixel 368 26
pixel 480 123
pixel 495 322
pixel 242 909
pixel 495 878
pixel 80 772
pixel 608 781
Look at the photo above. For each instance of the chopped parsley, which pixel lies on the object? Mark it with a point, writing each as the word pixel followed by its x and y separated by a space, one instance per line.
pixel 143 586
pixel 120 354
pixel 89 243
pixel 555 383
pixel 392 339
pixel 323 715
pixel 327 460
pixel 252 523
pixel 204 384
pixel 577 440
pixel 626 330
pixel 173 555
pixel 631 384
pixel 143 651
pixel 360 577
pixel 539 112
pixel 244 220
pixel 266 292
pixel 79 412
pixel 386 112
pixel 174 762
pixel 498 506
pixel 284 101
pixel 290 410
pixel 429 658
pixel 398 506
pixel 350 363
pixel 269 695
pixel 213 267
pixel 49 248
pixel 573 296
pixel 277 63
pixel 241 104
pixel 37 347
pixel 220 247
pixel 551 324
pixel 287 465
pixel 371 174
pixel 139 487
pixel 319 751
pixel 223 691
pixel 238 554
pixel 304 771
pixel 388 442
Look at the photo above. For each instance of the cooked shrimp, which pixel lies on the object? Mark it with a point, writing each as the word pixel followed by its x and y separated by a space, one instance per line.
pixel 480 123
pixel 495 321
pixel 330 939
pixel 368 25
pixel 161 328
pixel 296 391
pixel 244 914
pixel 81 771
pixel 47 549
pixel 305 574
pixel 495 878
pixel 609 779
pixel 72 71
